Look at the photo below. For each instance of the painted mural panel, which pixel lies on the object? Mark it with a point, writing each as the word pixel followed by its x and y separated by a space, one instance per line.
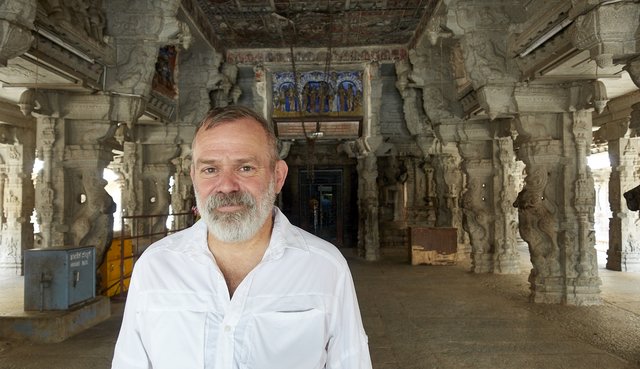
pixel 318 93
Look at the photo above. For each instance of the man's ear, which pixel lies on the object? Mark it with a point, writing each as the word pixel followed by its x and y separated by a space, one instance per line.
pixel 281 174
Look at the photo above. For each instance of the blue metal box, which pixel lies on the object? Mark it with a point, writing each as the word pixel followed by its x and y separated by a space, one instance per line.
pixel 56 278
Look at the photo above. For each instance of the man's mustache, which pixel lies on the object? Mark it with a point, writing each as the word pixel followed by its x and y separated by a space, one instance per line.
pixel 230 199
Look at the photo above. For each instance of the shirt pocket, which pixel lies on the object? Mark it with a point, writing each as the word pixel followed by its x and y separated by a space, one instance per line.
pixel 173 329
pixel 287 340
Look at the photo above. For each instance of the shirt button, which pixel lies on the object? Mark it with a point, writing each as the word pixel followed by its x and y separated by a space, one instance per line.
pixel 227 328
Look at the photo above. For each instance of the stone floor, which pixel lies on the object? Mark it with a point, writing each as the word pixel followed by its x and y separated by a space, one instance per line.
pixel 429 317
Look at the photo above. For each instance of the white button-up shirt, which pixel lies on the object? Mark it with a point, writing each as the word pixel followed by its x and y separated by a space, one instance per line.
pixel 296 310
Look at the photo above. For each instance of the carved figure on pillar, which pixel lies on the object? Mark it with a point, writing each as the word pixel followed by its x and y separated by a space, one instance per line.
pixel 477 221
pixel 537 226
pixel 93 223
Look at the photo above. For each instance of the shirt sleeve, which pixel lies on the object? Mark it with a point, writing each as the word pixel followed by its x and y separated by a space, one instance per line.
pixel 348 346
pixel 129 351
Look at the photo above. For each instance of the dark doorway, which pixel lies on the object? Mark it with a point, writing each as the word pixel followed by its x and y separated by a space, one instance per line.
pixel 321 203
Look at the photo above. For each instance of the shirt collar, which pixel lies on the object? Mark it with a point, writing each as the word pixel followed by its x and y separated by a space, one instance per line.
pixel 284 235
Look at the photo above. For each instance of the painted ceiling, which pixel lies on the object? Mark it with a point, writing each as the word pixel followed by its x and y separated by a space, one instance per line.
pixel 331 23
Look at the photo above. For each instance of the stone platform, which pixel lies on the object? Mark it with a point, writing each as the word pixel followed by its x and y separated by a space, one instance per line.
pixel 44 326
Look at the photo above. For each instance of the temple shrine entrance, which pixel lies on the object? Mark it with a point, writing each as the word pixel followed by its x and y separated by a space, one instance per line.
pixel 321 204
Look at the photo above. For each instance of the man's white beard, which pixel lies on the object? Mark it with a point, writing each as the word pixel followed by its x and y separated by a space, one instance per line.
pixel 240 225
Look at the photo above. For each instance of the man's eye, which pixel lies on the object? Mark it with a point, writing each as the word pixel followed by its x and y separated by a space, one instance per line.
pixel 209 170
pixel 246 168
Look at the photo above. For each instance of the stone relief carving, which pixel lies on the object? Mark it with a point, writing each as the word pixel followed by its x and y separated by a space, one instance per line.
pixel 226 92
pixel 136 66
pixel 92 224
pixel 477 220
pixel 485 59
pixel 15 28
pixel 607 32
pixel 537 224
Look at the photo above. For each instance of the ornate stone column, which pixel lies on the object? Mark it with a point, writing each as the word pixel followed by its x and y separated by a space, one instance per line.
pixel 368 235
pixel 431 72
pixel 556 204
pixel 75 139
pixel 505 189
pixel 182 196
pixel 368 144
pixel 489 217
pixel 449 182
pixel 477 201
pixel 131 170
pixel 420 128
pixel 47 209
pixel 624 234
pixel 139 30
pixel 155 152
pixel 621 229
pixel 198 83
pixel 17 155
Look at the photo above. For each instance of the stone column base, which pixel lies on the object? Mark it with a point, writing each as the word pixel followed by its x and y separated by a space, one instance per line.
pixel 507 264
pixel 481 262
pixel 623 261
pixel 574 291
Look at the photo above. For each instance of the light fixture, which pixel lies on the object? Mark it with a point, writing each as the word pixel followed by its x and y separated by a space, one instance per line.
pixel 65 45
pixel 546 36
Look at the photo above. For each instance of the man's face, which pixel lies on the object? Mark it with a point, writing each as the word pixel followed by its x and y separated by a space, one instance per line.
pixel 234 180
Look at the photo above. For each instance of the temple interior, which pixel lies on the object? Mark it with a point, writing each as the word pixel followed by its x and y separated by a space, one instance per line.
pixel 497 138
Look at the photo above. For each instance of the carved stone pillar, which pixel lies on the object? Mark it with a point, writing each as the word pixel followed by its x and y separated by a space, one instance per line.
pixel 16 188
pixel 157 198
pixel 154 154
pixel 182 196
pixel 368 234
pixel 47 207
pixel 505 189
pixel 131 170
pixel 431 73
pixel 489 217
pixel 477 202
pixel 72 205
pixel 556 204
pixel 16 23
pixel 449 181
pixel 422 132
pixel 624 234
